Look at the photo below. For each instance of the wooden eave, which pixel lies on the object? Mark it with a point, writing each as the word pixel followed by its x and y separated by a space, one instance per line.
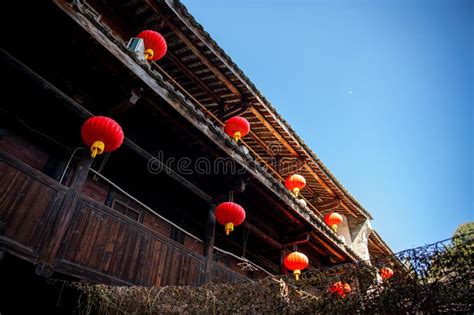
pixel 203 72
pixel 377 246
pixel 185 105
pixel 266 123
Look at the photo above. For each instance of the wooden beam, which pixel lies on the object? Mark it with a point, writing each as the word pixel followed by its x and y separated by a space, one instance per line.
pixel 319 179
pixel 262 235
pixel 208 249
pixel 193 77
pixel 328 247
pixel 234 109
pixel 377 237
pixel 273 131
pixel 195 50
pixel 316 248
pixel 170 79
pixel 377 247
pixel 125 105
pixel 328 204
pixel 329 190
pixel 348 209
pixel 292 217
pixel 296 240
pixel 262 143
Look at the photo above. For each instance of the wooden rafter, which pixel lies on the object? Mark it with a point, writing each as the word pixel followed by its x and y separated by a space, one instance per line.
pixel 352 205
pixel 195 50
pixel 376 247
pixel 273 131
pixel 348 209
pixel 262 235
pixel 328 247
pixel 328 204
pixel 193 77
pixel 261 143
pixel 125 105
pixel 387 250
pixel 316 248
pixel 295 240
pixel 229 110
pixel 319 179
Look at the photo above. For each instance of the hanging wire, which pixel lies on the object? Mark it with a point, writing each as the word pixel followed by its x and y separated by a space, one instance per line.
pixel 104 160
pixel 68 163
pixel 102 164
pixel 42 134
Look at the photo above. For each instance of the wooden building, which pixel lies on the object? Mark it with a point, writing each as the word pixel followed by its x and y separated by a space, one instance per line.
pixel 144 214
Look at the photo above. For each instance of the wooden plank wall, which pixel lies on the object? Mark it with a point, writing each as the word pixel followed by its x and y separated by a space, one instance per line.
pixel 107 242
pixel 100 244
pixel 28 202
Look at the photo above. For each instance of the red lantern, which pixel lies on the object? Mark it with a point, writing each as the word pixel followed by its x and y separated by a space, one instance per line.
pixel 333 219
pixel 155 44
pixel 386 273
pixel 237 127
pixel 101 134
pixel 340 288
pixel 296 262
pixel 230 214
pixel 295 183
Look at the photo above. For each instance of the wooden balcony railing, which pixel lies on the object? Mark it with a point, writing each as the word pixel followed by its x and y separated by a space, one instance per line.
pixel 99 243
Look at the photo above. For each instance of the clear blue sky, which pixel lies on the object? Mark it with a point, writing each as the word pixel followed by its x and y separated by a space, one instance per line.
pixel 381 90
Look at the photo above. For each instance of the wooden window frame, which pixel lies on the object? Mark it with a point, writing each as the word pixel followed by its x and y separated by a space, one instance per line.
pixel 128 208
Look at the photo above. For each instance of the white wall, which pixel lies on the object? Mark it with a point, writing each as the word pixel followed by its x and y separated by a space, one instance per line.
pixel 343 230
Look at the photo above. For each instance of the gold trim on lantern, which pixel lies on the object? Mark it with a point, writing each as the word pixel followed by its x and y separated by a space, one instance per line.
pixel 296 191
pixel 237 136
pixel 149 53
pixel 97 148
pixel 297 274
pixel 229 227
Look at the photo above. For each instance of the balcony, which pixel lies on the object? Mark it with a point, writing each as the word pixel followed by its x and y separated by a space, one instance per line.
pixel 96 242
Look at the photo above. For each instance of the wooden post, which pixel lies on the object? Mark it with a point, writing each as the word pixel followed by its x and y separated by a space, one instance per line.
pixel 209 243
pixel 283 270
pixel 81 171
pixel 63 216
